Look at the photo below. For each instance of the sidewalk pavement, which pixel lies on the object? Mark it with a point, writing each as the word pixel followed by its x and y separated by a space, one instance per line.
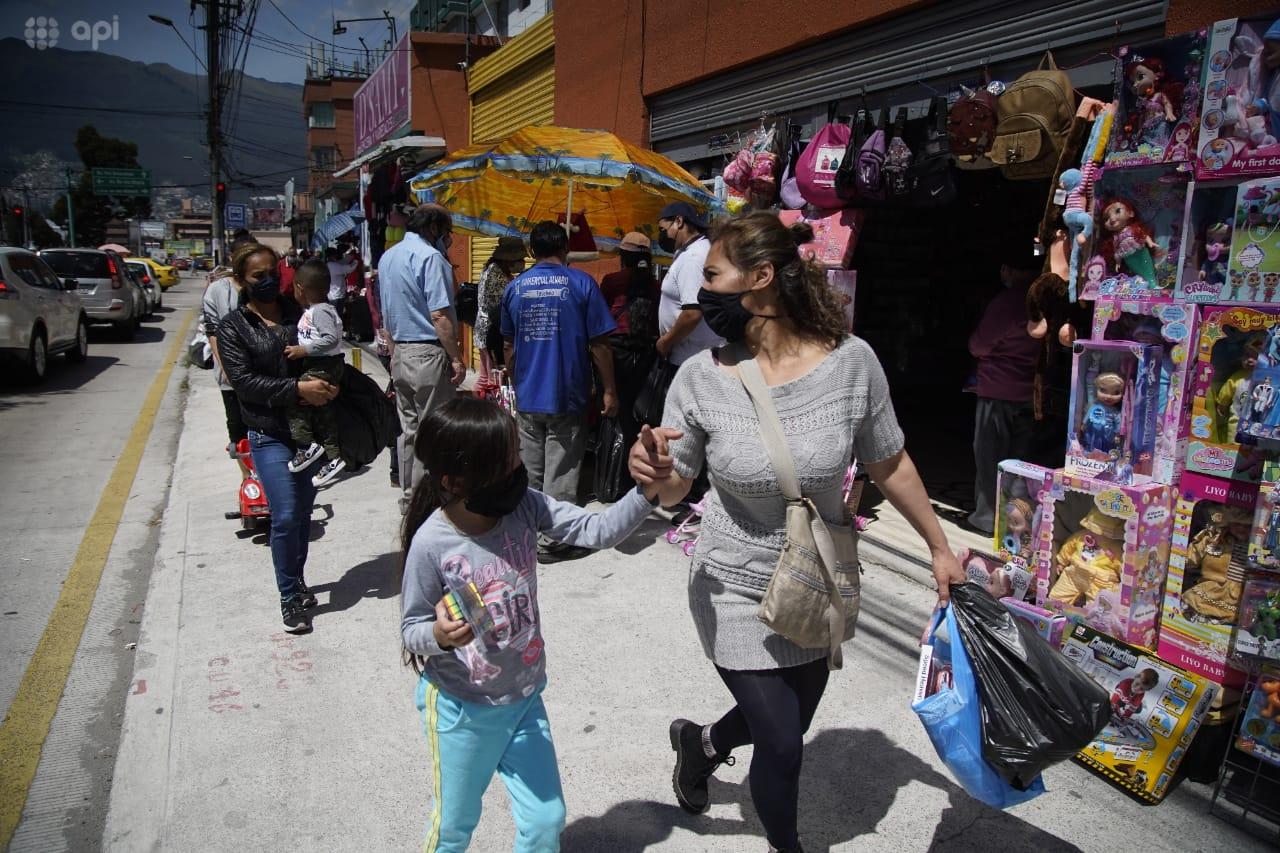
pixel 238 736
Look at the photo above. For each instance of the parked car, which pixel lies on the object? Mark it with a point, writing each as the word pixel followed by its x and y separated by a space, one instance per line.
pixel 108 293
pixel 145 277
pixel 39 313
pixel 183 264
pixel 165 275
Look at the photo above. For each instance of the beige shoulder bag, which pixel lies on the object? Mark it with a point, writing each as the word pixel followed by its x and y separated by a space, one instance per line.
pixel 812 598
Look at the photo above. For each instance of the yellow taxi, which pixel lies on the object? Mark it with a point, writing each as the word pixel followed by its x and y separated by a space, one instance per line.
pixel 165 275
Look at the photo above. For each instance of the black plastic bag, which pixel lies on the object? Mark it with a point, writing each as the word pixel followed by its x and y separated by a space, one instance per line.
pixel 1037 707
pixel 652 398
pixel 612 479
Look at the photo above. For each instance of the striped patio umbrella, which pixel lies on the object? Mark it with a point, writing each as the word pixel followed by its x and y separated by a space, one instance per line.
pixel 504 188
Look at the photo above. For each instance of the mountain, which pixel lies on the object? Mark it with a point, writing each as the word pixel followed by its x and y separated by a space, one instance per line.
pixel 49 94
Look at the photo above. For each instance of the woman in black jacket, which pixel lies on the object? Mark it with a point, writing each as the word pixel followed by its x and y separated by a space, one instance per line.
pixel 251 342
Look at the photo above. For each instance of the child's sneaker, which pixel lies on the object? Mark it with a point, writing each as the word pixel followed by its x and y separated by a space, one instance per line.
pixel 328 473
pixel 305 457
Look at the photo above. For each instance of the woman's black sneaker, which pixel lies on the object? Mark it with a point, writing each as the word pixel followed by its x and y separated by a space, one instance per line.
pixel 308 597
pixel 294 615
pixel 693 768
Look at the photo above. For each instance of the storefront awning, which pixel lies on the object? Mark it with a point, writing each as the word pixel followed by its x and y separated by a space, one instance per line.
pixel 422 146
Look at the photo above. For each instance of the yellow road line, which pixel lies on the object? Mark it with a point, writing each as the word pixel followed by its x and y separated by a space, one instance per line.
pixel 26 726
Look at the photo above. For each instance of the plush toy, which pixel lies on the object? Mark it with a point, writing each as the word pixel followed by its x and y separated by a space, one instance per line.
pixel 1217 596
pixel 1129 243
pixel 1101 425
pixel 1090 560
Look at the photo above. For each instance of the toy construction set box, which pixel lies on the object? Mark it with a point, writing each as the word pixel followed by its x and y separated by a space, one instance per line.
pixel 1156 710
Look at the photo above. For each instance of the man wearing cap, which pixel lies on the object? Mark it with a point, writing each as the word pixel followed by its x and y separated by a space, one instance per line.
pixel 415 283
pixel 682 331
pixel 632 294
pixel 555 323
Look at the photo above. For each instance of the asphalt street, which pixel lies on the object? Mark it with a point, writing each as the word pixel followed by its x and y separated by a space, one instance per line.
pixel 236 736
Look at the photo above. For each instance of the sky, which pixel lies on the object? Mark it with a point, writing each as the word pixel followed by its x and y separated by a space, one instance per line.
pixel 128 32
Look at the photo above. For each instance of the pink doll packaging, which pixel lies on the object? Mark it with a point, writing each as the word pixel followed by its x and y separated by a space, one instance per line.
pixel 844 284
pixel 1139 214
pixel 1240 117
pixel 1104 550
pixel 1206 247
pixel 1111 429
pixel 1048 624
pixel 835 234
pixel 1158 92
pixel 1253 269
pixel 1231 340
pixel 1156 710
pixel 1172 326
pixel 1021 488
pixel 1211 525
pixel 998 576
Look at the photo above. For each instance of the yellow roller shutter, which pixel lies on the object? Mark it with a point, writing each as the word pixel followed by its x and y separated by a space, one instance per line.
pixel 524 97
pixel 481 249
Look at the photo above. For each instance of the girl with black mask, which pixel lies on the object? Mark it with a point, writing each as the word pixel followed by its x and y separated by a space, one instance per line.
pixel 471 626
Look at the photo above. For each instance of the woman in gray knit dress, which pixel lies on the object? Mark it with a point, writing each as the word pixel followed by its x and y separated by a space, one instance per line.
pixel 833 400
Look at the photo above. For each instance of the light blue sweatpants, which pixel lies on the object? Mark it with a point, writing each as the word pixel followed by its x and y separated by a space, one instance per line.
pixel 469 742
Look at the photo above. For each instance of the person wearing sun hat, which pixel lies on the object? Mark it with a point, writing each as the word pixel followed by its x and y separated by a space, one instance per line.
pixel 506 262
pixel 632 294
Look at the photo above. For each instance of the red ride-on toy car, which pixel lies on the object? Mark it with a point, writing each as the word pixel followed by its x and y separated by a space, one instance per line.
pixel 253 500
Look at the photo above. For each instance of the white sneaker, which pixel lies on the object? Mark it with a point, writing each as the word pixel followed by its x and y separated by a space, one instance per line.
pixel 328 473
pixel 305 457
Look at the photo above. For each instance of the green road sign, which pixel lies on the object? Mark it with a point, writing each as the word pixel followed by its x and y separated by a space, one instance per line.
pixel 122 181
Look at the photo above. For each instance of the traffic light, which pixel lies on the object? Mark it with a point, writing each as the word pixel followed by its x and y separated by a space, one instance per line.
pixel 220 193
pixel 17 210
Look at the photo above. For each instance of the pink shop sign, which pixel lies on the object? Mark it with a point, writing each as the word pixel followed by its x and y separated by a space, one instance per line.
pixel 382 103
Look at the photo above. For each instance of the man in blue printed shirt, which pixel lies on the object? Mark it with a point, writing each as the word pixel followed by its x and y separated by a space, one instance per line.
pixel 552 317
pixel 415 282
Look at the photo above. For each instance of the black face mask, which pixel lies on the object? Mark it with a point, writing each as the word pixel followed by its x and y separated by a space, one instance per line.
pixel 265 289
pixel 725 314
pixel 667 244
pixel 501 498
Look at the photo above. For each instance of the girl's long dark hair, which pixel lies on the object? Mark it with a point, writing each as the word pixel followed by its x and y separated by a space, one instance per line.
pixel 642 309
pixel 468 439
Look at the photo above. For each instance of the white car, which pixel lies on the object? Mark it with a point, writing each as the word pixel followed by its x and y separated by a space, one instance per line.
pixel 40 314
pixel 142 273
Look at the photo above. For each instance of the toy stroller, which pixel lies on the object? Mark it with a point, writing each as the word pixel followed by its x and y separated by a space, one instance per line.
pixel 685 534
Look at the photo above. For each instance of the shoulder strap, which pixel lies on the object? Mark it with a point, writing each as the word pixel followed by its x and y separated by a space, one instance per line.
pixel 775 442
pixel 900 121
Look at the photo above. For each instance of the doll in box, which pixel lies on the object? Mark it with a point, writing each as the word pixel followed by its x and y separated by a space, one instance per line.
pixel 1217 553
pixel 1231 399
pixel 1019 536
pixel 1090 560
pixel 1217 248
pixel 1157 99
pixel 1129 245
pixel 1101 427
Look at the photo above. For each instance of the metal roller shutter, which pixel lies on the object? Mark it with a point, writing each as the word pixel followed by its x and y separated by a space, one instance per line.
pixel 928 45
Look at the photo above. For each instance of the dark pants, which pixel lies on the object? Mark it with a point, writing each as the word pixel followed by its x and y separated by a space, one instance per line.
pixel 236 429
pixel 391 392
pixel 774 710
pixel 292 498
pixel 318 424
pixel 631 364
pixel 1001 430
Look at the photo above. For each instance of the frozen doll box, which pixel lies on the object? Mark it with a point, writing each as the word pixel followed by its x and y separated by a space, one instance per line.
pixel 1104 549
pixel 1231 339
pixel 1158 98
pixel 1111 430
pixel 1239 123
pixel 1156 710
pixel 1172 325
pixel 1207 561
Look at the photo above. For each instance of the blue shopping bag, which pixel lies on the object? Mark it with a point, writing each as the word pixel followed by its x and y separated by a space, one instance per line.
pixel 953 718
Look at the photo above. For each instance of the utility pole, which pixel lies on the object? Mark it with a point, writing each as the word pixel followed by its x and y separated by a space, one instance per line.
pixel 212 24
pixel 71 214
pixel 26 218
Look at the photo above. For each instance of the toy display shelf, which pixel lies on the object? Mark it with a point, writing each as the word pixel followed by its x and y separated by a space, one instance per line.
pixel 1248 788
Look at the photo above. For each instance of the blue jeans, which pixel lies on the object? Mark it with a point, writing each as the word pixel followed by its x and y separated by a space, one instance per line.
pixel 292 497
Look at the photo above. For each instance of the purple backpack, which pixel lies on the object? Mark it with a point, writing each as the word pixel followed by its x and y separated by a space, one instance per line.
pixel 816 169
pixel 869 174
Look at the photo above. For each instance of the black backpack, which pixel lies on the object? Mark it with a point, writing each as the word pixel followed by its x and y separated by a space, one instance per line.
pixel 930 177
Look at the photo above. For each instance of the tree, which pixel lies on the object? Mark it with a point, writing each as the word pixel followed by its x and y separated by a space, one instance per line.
pixel 93 212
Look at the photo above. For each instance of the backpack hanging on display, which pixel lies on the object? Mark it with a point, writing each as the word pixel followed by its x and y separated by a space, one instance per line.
pixel 929 177
pixel 1035 115
pixel 817 167
pixel 897 160
pixel 847 176
pixel 789 191
pixel 971 128
pixel 869 165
